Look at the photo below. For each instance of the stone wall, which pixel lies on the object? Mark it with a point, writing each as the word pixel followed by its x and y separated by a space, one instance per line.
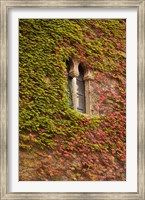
pixel 103 91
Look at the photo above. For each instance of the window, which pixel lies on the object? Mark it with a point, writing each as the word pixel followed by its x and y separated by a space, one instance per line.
pixel 80 91
pixel 79 78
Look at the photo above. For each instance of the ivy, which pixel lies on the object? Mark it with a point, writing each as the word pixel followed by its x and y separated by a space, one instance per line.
pixel 45 119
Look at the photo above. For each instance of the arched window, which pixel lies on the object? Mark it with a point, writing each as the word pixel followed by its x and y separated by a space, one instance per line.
pixel 79 86
pixel 80 91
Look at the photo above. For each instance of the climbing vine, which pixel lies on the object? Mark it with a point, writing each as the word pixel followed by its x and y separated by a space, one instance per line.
pixel 46 121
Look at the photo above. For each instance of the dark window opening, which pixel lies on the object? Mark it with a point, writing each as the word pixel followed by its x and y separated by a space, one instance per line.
pixel 81 91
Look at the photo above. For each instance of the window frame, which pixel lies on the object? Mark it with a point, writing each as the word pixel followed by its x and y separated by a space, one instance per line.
pixel 74 64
